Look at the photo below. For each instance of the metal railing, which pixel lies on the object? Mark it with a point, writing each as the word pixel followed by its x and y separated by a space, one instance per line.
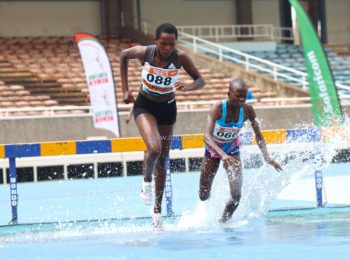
pixel 196 38
pixel 249 62
pixel 220 33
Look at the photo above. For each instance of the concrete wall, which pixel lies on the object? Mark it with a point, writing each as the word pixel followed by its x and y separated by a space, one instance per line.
pixel 182 12
pixel 338 22
pixel 31 18
pixel 266 12
pixel 81 127
pixel 206 12
pixel 53 18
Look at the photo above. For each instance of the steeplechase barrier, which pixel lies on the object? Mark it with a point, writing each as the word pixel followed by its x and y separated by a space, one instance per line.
pixel 117 145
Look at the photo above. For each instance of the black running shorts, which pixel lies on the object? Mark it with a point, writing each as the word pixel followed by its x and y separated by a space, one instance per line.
pixel 165 112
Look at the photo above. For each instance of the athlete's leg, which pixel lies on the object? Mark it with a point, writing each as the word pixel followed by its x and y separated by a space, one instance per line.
pixel 166 134
pixel 148 128
pixel 234 174
pixel 209 168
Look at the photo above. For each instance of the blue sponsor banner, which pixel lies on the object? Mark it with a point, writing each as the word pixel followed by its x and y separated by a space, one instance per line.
pixel 176 143
pixel 306 135
pixel 22 150
pixel 88 147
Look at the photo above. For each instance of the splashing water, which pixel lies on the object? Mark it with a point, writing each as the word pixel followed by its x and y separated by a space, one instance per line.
pixel 263 185
pixel 260 187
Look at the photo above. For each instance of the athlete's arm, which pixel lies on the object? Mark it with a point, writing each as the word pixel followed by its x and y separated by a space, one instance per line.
pixel 136 52
pixel 259 138
pixel 198 81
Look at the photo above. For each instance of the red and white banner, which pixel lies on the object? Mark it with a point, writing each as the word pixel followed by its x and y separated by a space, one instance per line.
pixel 100 81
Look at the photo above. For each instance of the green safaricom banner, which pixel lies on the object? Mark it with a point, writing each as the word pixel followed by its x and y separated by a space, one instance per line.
pixel 326 107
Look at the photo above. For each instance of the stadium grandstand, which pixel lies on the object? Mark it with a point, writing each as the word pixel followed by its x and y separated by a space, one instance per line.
pixel 43 90
pixel 71 190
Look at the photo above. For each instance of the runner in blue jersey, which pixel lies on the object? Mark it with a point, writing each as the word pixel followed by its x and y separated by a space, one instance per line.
pixel 155 107
pixel 222 143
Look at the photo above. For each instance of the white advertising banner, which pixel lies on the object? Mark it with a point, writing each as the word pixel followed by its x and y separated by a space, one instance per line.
pixel 100 82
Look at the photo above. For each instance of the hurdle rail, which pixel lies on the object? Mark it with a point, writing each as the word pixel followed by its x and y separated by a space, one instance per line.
pixel 116 145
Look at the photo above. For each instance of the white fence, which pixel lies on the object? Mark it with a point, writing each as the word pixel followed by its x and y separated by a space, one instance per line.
pixel 196 37
pixel 249 62
pixel 220 33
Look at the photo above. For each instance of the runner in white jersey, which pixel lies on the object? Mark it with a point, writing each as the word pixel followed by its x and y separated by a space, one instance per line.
pixel 155 107
pixel 221 138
